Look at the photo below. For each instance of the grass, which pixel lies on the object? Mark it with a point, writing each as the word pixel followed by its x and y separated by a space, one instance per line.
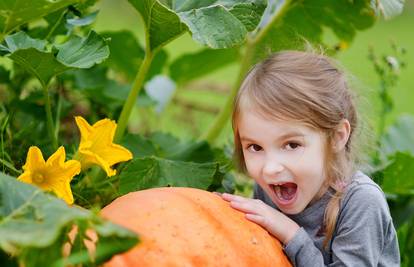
pixel 120 15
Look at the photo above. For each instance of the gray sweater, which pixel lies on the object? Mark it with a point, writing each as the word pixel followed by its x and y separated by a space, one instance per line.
pixel 364 233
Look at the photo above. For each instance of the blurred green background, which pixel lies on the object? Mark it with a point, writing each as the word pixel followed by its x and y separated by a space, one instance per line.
pixel 209 94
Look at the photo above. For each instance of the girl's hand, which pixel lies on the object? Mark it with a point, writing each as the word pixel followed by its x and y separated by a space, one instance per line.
pixel 275 222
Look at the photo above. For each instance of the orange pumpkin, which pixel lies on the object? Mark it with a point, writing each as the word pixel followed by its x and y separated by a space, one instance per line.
pixel 190 227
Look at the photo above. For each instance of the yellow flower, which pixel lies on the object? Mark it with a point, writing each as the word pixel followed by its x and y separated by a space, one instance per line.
pixel 96 145
pixel 53 175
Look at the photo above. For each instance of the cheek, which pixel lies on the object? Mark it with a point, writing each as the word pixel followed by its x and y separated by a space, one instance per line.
pixel 313 159
pixel 252 165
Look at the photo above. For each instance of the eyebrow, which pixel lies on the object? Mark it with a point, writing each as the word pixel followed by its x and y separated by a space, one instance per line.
pixel 282 137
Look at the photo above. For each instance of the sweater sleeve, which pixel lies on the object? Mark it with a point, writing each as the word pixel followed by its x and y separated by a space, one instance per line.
pixel 302 251
pixel 364 236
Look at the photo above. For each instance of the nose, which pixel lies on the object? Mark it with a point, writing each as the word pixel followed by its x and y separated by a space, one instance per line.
pixel 272 166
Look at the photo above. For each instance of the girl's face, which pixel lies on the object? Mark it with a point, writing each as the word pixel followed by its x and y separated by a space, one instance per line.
pixel 285 158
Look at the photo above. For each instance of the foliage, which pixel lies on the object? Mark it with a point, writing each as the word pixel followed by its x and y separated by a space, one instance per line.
pixel 34 225
pixel 54 67
pixel 394 158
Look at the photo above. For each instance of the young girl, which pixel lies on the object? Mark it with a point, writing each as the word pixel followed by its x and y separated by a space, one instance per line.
pixel 294 125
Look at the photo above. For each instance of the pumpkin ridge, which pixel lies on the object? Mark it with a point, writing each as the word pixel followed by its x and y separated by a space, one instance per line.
pixel 224 231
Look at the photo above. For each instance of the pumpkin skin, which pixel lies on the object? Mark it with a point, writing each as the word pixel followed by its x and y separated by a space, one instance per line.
pixel 190 227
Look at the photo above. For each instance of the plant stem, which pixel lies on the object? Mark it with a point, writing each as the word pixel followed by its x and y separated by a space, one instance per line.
pixel 49 118
pixel 247 60
pixel 133 94
pixel 58 108
pixel 2 131
pixel 224 114
pixel 383 112
pixel 52 30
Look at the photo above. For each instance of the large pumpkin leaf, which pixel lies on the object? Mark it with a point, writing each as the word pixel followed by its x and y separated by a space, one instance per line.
pixel 163 160
pixel 288 24
pixel 14 13
pixel 151 172
pixel 164 145
pixel 33 55
pixel 192 66
pixel 34 225
pixel 214 23
pixel 398 176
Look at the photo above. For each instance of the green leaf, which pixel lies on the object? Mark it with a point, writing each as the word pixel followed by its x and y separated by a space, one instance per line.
pixel 249 13
pixel 83 53
pixel 166 146
pixel 191 66
pixel 33 55
pixel 151 172
pixel 399 174
pixel 112 241
pixel 95 85
pixel 55 26
pixel 83 21
pixel 140 146
pixel 14 13
pixel 162 24
pixel 159 159
pixel 34 224
pixel 34 59
pixel 399 136
pixel 4 75
pixel 89 78
pixel 22 41
pixel 206 26
pixel 127 55
pixel 214 23
pixel 289 23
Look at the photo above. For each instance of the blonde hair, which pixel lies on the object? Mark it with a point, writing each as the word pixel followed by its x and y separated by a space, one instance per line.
pixel 305 87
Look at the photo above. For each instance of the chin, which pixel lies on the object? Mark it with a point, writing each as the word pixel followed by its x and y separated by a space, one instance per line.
pixel 292 211
pixel 297 207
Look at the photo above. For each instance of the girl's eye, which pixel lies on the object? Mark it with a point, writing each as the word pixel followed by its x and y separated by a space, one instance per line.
pixel 254 148
pixel 292 145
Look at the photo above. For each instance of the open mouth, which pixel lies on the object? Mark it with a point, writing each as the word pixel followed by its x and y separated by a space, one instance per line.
pixel 285 193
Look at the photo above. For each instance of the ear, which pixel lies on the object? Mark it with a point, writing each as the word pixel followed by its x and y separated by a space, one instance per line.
pixel 341 135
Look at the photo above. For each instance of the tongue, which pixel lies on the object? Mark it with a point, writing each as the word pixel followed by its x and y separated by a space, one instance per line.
pixel 288 190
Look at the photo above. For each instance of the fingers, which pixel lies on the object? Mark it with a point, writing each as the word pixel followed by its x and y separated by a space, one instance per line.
pixel 255 210
pixel 248 206
pixel 263 215
pixel 230 197
pixel 217 193
pixel 256 218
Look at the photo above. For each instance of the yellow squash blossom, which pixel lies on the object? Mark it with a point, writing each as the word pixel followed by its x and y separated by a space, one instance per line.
pixel 96 145
pixel 53 175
